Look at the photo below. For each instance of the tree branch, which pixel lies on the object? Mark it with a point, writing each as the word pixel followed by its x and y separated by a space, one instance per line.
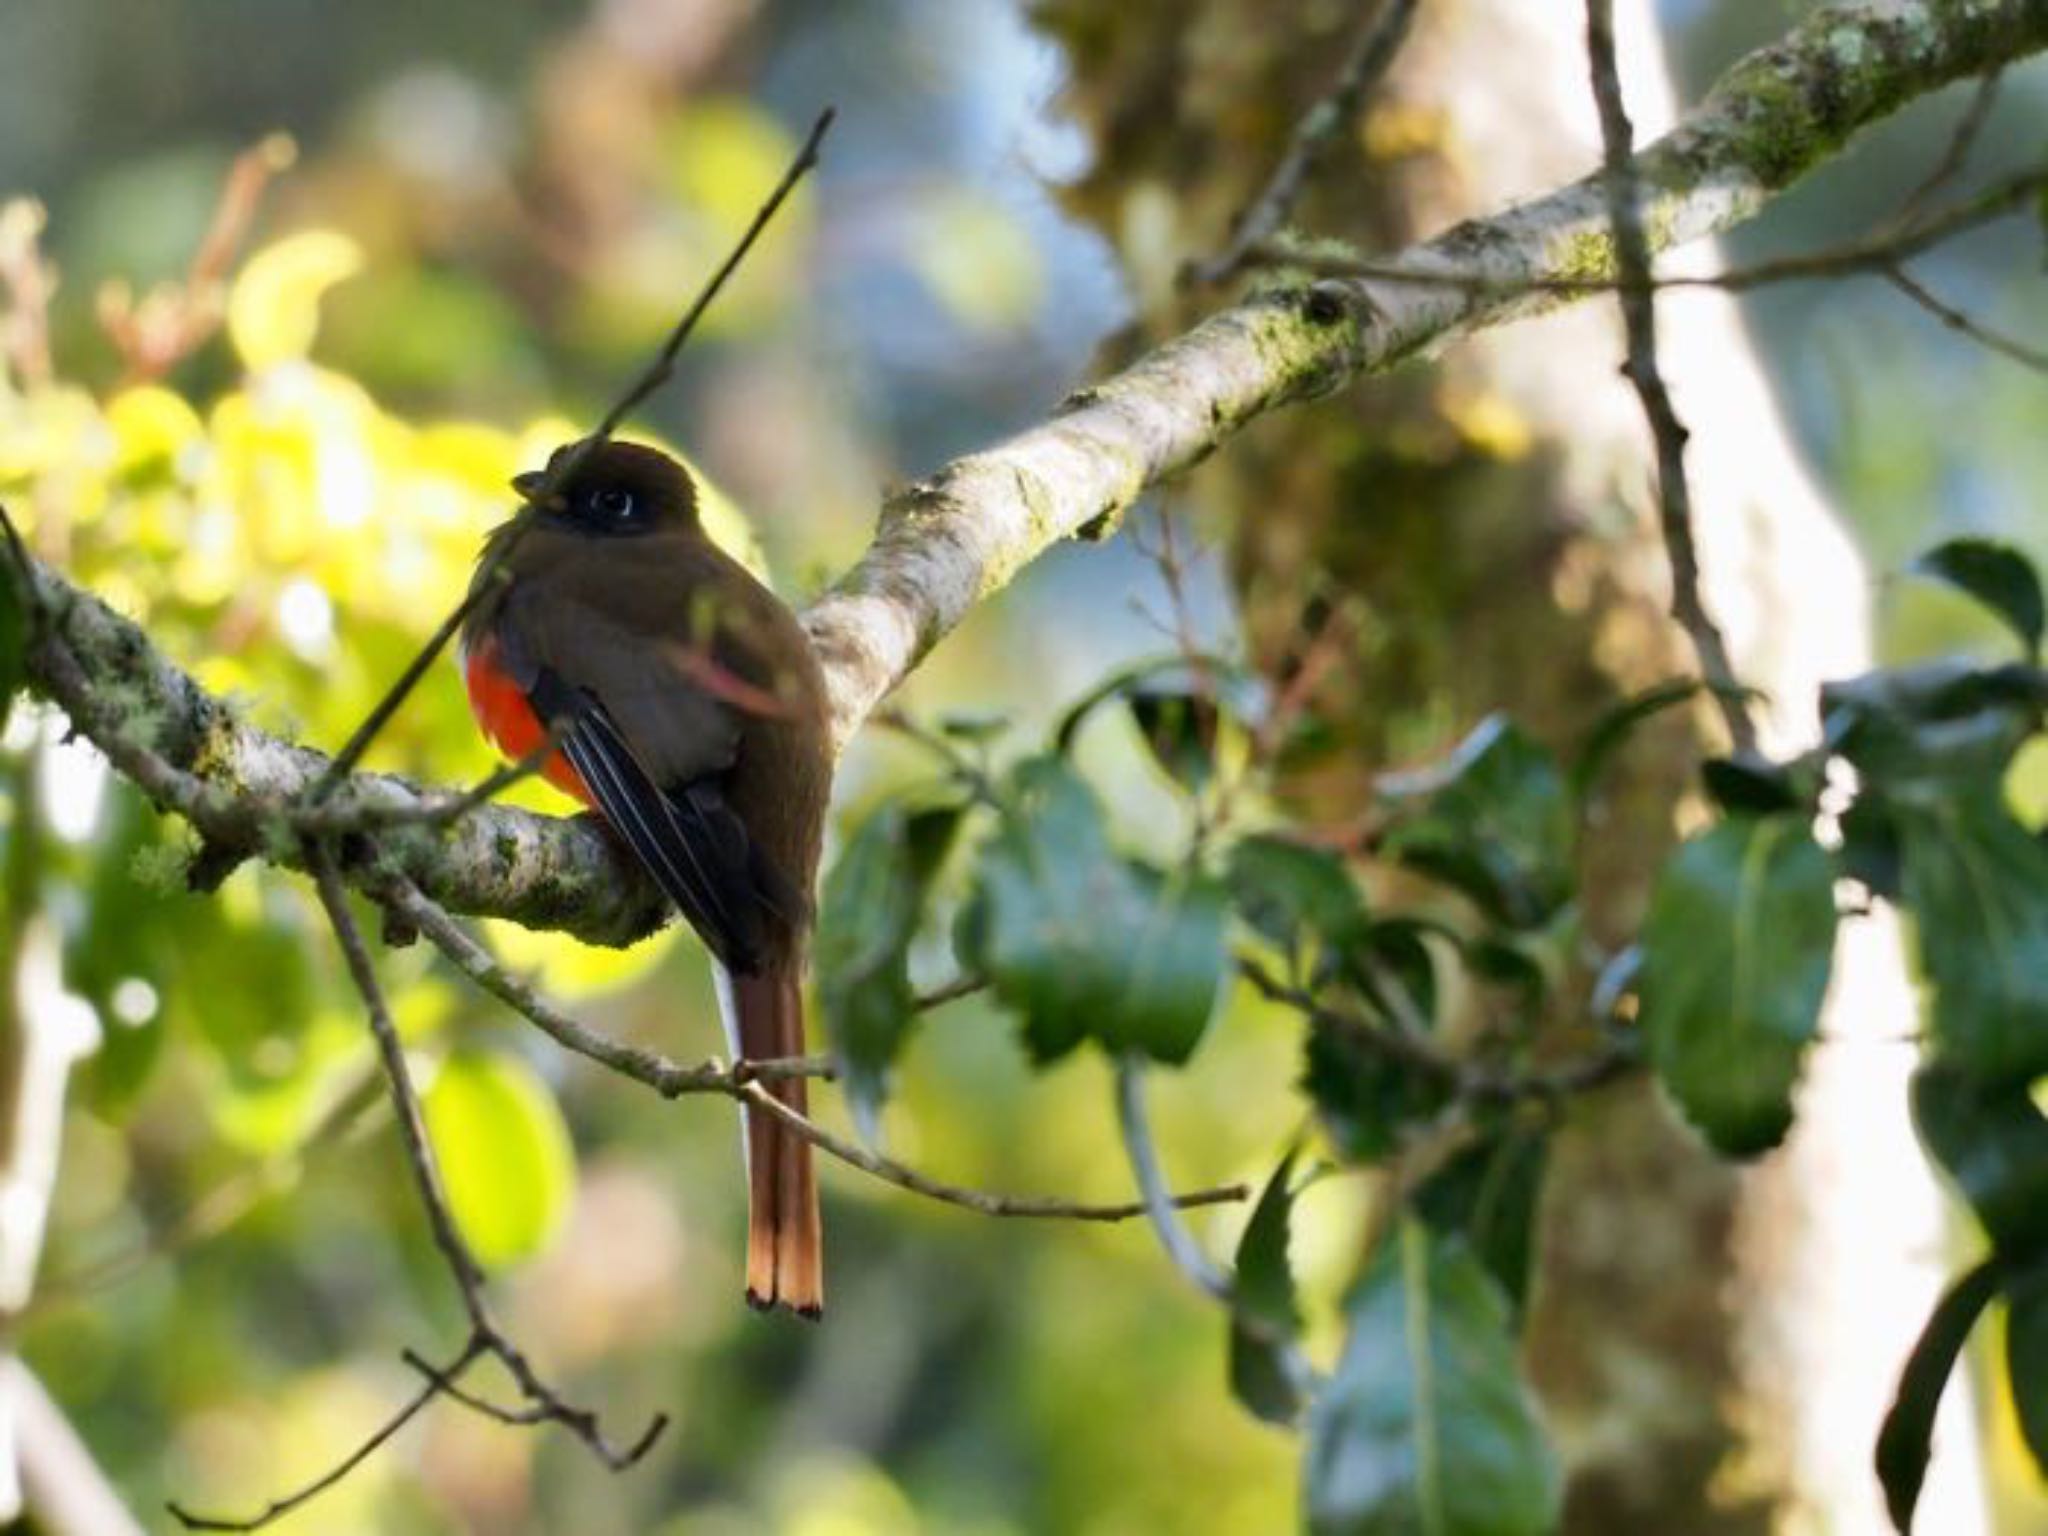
pixel 956 538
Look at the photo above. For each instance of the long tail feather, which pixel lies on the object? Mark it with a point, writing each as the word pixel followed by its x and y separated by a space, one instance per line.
pixel 785 1242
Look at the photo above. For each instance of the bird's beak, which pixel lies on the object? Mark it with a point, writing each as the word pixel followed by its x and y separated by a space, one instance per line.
pixel 528 484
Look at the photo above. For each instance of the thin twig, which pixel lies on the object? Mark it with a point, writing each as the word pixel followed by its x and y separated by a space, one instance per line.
pixel 1956 156
pixel 1371 53
pixel 1872 255
pixel 740 1080
pixel 1639 316
pixel 951 992
pixel 650 378
pixel 436 1386
pixel 1968 325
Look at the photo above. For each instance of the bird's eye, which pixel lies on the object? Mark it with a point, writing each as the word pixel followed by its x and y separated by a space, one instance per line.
pixel 613 503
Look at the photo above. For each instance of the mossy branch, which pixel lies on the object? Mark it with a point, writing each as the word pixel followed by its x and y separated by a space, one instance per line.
pixel 951 541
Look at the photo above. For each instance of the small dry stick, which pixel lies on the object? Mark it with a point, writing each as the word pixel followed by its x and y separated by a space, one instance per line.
pixel 1374 50
pixel 740 1080
pixel 1639 316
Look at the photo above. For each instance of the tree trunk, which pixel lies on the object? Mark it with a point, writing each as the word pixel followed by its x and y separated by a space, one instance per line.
pixel 1715 1347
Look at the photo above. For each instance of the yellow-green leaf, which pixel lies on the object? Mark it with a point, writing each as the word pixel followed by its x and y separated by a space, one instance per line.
pixel 274 306
pixel 506 1159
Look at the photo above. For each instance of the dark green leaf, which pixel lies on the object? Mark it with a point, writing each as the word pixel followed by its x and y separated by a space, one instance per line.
pixel 13 634
pixel 1084 943
pixel 1977 884
pixel 1290 893
pixel 869 913
pixel 1487 1194
pixel 1364 1095
pixel 1182 729
pixel 1494 822
pixel 1933 727
pixel 2026 1356
pixel 1736 954
pixel 1908 1431
pixel 1751 788
pixel 1265 1307
pixel 1611 732
pixel 1394 966
pixel 1996 575
pixel 1425 1425
pixel 1128 679
pixel 972 727
pixel 1993 1142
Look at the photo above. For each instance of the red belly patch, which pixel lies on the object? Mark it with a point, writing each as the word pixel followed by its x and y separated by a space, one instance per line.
pixel 509 721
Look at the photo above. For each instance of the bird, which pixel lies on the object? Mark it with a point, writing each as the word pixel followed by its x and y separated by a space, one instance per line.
pixel 689 711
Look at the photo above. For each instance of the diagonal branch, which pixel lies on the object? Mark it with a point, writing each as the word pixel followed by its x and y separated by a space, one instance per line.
pixel 960 536
pixel 1639 318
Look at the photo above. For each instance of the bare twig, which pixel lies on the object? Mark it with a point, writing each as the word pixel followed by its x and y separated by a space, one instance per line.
pixel 951 992
pixel 1639 315
pixel 1875 254
pixel 29 282
pixel 170 322
pixel 1965 324
pixel 1956 155
pixel 740 1080
pixel 543 1404
pixel 651 378
pixel 1378 41
pixel 436 1386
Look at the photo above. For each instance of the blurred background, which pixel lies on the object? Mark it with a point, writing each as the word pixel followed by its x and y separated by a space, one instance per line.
pixel 478 222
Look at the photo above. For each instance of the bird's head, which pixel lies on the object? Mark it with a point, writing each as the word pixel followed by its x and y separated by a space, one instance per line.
pixel 619 491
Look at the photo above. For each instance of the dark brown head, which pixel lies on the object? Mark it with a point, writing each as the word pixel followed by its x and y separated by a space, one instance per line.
pixel 620 491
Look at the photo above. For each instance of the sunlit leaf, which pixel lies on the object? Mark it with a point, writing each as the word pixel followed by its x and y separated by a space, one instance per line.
pixel 1996 575
pixel 976 257
pixel 1266 1313
pixel 1426 1426
pixel 274 304
pixel 1977 884
pixel 506 1159
pixel 569 969
pixel 1736 954
pixel 868 915
pixel 1907 1436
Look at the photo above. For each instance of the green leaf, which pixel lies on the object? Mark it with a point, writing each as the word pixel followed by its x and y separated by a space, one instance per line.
pixel 1487 1195
pixel 1127 680
pixel 1364 1096
pixel 1996 575
pixel 2026 1356
pixel 1494 822
pixel 1736 953
pixel 1743 787
pixel 1426 1427
pixel 1907 1435
pixel 1182 728
pixel 13 635
pixel 868 915
pixel 506 1160
pixel 1611 732
pixel 1265 1307
pixel 1928 730
pixel 1083 943
pixel 1977 884
pixel 1992 1141
pixel 1291 894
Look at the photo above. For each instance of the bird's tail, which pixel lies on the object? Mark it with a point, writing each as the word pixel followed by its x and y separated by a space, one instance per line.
pixel 785 1243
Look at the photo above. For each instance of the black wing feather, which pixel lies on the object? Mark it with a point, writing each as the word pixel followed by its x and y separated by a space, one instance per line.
pixel 689 839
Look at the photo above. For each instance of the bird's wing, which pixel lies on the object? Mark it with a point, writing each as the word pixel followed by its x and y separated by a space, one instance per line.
pixel 652 749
